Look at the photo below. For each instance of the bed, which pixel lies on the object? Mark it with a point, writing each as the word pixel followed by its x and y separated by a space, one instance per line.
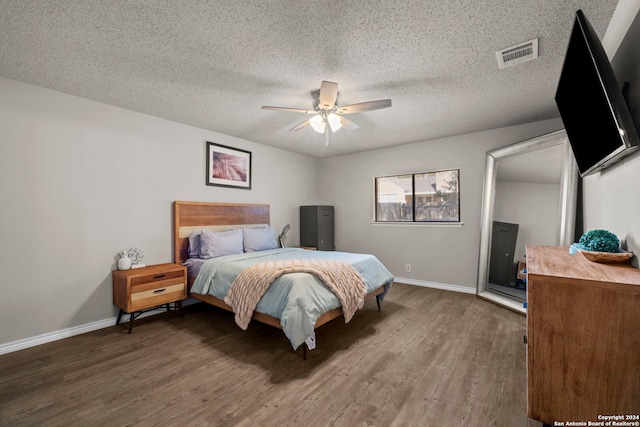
pixel 297 301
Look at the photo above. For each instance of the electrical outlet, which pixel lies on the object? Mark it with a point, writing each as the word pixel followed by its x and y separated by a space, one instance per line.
pixel 407 268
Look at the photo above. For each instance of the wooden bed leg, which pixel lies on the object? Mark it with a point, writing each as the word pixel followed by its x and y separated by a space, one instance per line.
pixel 378 301
pixel 304 351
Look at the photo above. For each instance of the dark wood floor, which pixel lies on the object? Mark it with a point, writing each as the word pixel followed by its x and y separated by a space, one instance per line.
pixel 430 358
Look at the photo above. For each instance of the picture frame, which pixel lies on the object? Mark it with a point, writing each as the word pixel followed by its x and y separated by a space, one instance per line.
pixel 228 166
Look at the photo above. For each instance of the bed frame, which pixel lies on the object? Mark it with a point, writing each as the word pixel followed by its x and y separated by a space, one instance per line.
pixel 196 216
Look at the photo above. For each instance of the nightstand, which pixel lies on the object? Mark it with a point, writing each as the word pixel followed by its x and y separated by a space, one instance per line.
pixel 143 289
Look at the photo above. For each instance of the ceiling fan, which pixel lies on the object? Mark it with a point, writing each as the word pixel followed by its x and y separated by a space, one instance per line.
pixel 326 111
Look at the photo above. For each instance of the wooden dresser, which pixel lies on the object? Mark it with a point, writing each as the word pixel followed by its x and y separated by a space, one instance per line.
pixel 583 347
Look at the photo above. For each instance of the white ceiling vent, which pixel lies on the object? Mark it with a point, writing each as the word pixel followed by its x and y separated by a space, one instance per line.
pixel 519 53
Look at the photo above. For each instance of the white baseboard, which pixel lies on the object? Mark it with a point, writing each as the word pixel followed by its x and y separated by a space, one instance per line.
pixel 94 326
pixel 444 286
pixel 56 335
pixel 76 330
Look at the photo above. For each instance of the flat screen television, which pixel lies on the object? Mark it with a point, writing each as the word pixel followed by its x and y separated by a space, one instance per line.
pixel 591 103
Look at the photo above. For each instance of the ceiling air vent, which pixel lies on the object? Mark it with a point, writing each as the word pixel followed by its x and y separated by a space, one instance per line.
pixel 519 53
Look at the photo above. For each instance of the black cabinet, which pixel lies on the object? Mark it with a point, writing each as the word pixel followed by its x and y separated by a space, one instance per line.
pixel 316 227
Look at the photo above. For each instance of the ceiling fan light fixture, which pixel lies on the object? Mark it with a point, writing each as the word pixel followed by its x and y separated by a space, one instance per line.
pixel 334 122
pixel 317 123
pixel 326 111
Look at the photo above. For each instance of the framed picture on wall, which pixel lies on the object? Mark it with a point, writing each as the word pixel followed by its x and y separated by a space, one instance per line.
pixel 228 166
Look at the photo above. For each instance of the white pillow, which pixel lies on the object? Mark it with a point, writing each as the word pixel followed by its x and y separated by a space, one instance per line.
pixel 218 243
pixel 259 239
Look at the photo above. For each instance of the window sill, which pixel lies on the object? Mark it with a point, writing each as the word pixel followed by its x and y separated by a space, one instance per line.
pixel 418 224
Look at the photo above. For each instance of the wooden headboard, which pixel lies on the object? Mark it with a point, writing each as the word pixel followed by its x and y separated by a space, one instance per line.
pixel 195 216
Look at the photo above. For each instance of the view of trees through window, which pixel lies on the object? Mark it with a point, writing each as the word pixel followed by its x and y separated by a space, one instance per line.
pixel 419 197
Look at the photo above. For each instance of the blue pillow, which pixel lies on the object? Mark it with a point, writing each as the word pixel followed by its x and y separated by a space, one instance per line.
pixel 259 239
pixel 218 243
pixel 194 244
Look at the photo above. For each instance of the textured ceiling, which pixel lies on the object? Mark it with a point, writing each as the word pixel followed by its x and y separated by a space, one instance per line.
pixel 213 64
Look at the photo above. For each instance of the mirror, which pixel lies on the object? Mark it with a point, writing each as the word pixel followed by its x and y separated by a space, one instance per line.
pixel 529 198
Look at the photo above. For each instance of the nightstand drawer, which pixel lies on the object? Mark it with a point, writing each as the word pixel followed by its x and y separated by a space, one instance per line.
pixel 136 296
pixel 151 278
pixel 146 286
pixel 146 298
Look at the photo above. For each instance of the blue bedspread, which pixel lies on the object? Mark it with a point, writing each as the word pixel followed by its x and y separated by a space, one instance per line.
pixel 297 299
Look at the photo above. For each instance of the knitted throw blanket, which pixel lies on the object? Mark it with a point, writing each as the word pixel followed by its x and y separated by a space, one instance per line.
pixel 253 281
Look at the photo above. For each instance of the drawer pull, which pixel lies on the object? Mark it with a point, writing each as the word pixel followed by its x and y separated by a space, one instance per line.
pixel 159 276
pixel 157 291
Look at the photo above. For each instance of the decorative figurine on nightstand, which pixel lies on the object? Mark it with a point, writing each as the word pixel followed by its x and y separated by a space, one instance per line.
pixel 136 255
pixel 130 258
pixel 124 263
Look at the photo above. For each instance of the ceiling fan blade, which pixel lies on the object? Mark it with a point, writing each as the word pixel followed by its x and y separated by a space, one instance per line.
pixel 293 110
pixel 327 135
pixel 348 124
pixel 364 106
pixel 328 94
pixel 300 126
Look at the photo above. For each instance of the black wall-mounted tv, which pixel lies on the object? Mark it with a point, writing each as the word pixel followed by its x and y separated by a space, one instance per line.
pixel 591 103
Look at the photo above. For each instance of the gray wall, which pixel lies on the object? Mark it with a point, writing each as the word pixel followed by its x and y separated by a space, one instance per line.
pixel 439 255
pixel 611 198
pixel 81 180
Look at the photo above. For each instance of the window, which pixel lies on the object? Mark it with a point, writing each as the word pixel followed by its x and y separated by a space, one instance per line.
pixel 418 197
